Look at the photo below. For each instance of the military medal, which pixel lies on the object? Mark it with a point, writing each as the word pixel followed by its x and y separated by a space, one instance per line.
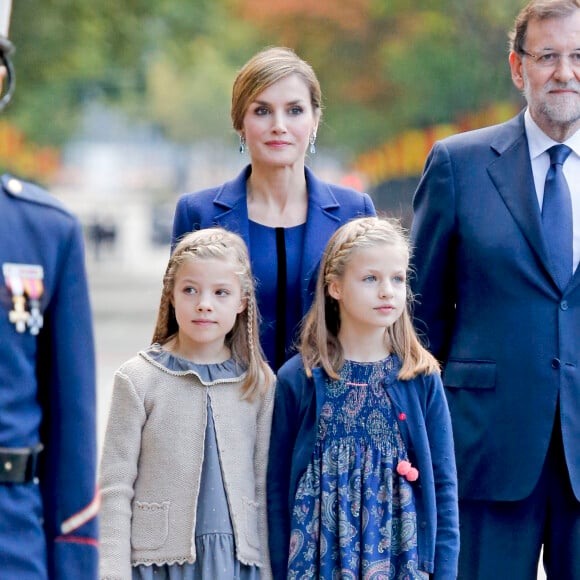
pixel 33 287
pixel 25 280
pixel 19 316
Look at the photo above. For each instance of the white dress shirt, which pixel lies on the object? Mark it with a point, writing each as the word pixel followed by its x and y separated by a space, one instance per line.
pixel 538 144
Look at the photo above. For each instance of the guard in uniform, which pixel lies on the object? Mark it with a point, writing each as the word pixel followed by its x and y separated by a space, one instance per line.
pixel 48 498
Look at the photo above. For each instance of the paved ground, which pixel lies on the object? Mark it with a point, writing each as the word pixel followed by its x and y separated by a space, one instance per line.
pixel 125 310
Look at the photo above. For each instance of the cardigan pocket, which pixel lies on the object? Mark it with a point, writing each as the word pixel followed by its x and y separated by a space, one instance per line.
pixel 149 525
pixel 251 519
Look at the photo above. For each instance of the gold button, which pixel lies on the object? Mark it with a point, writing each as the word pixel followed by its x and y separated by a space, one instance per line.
pixel 8 466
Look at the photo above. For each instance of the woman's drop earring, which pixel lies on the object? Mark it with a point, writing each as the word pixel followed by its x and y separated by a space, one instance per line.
pixel 242 144
pixel 312 142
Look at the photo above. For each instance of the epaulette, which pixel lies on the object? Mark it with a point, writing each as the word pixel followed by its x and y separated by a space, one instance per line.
pixel 25 190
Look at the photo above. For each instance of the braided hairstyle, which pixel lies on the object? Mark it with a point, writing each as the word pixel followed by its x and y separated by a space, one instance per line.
pixel 243 340
pixel 319 344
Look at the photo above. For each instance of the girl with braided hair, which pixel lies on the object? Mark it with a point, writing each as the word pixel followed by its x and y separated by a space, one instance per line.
pixel 183 470
pixel 361 475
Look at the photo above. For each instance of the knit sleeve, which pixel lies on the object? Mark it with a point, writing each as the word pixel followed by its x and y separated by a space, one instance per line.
pixel 118 472
pixel 260 467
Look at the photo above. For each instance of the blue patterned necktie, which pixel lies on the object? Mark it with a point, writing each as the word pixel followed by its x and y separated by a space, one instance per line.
pixel 557 215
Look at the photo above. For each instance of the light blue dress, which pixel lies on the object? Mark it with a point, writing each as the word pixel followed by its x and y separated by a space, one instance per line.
pixel 354 516
pixel 213 534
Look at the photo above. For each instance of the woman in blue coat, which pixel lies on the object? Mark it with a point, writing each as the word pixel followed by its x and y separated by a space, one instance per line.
pixel 281 209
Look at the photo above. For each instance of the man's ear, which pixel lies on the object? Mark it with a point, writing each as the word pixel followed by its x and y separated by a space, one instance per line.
pixel 516 66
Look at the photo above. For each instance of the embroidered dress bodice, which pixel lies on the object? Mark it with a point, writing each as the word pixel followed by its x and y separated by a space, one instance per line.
pixel 354 515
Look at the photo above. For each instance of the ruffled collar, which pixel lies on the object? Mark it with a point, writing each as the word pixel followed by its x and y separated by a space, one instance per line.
pixel 207 372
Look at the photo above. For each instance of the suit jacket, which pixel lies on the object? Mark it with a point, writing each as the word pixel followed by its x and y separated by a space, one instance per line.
pixel 47 394
pixel 509 337
pixel 329 207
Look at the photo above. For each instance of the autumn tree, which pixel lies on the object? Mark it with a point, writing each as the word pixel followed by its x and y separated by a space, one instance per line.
pixel 384 66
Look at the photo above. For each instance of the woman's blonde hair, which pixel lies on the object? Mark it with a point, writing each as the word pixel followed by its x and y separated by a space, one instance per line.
pixel 264 69
pixel 319 344
pixel 243 340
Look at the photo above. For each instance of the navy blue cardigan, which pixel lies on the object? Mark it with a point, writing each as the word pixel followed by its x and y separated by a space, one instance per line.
pixel 425 425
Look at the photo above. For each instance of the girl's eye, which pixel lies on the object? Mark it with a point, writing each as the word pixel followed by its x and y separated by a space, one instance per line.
pixel 370 278
pixel 296 110
pixel 189 290
pixel 222 292
pixel 399 279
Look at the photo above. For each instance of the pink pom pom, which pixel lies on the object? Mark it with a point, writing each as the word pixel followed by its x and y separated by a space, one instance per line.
pixel 413 474
pixel 403 467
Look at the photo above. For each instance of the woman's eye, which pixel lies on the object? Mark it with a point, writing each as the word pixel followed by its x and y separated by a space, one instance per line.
pixel 261 111
pixel 296 110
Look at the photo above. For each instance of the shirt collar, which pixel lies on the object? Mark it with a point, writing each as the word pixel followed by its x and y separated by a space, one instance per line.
pixel 539 142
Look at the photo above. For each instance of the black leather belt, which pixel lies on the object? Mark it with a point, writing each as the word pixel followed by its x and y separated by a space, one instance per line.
pixel 19 464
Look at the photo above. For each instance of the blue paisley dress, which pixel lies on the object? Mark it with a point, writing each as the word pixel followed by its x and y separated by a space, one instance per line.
pixel 354 515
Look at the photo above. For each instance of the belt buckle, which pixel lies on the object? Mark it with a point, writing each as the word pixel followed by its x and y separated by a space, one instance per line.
pixel 19 464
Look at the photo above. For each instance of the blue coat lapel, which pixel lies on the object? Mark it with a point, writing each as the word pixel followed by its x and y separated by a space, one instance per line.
pixel 321 222
pixel 232 207
pixel 517 187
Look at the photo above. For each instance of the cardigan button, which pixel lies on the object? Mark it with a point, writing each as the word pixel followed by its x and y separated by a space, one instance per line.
pixel 556 363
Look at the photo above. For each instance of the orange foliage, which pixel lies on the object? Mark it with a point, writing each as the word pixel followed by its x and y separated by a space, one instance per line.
pixel 26 159
pixel 348 15
pixel 404 156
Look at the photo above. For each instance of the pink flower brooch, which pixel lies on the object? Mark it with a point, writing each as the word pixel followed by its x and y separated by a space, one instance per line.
pixel 409 472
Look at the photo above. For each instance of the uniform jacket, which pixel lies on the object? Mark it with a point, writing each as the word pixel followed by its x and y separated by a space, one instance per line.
pixel 47 388
pixel 329 207
pixel 152 460
pixel 509 337
pixel 426 431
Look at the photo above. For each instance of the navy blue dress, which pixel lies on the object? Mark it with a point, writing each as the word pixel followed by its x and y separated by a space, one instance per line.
pixel 276 256
pixel 354 516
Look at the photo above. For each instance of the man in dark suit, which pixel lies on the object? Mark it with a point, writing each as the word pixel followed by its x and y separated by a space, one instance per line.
pixel 48 451
pixel 498 297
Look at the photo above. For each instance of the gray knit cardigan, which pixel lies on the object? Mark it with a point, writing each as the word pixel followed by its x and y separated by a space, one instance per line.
pixel 151 466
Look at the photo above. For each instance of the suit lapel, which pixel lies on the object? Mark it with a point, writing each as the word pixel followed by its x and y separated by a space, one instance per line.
pixel 516 186
pixel 574 282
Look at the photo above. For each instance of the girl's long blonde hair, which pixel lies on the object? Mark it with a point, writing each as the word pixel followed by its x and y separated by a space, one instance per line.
pixel 319 343
pixel 243 340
